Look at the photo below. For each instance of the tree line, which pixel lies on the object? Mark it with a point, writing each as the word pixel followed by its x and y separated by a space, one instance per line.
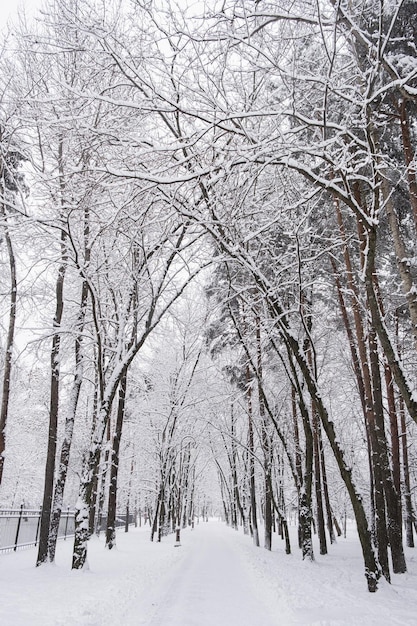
pixel 252 163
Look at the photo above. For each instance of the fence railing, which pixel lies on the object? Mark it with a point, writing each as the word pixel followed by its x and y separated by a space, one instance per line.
pixel 19 528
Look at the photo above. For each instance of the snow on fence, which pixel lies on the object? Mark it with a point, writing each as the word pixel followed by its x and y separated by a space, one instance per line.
pixel 19 528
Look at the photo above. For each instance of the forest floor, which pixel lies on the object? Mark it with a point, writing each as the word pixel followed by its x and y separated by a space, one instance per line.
pixel 216 577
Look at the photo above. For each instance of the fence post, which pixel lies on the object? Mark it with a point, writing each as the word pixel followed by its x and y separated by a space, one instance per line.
pixel 19 521
pixel 38 526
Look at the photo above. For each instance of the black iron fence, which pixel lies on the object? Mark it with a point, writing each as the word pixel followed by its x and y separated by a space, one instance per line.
pixel 19 528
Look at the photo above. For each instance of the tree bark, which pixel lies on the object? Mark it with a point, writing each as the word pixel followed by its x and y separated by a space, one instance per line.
pixel 266 442
pixel 251 459
pixel 8 356
pixel 114 466
pixel 392 500
pixel 408 156
pixel 82 509
pixel 304 482
pixel 53 412
pixel 318 484
pixel 403 260
pixel 379 503
pixel 326 492
pixel 409 515
pixel 372 570
pixel 69 429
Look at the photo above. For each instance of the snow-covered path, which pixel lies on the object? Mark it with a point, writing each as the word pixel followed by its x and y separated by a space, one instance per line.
pixel 216 578
pixel 211 585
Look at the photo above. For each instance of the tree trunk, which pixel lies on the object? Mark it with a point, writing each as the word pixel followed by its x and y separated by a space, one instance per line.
pixel 8 356
pixel 410 292
pixel 251 459
pixel 53 413
pixel 82 509
pixel 266 443
pixel 393 421
pixel 408 157
pixel 409 515
pixel 69 429
pixel 298 463
pixel 326 492
pixel 379 503
pixel 98 491
pixel 392 499
pixel 372 570
pixel 162 515
pixel 63 467
pixel 154 527
pixel 236 503
pixel 283 522
pixel 305 520
pixel 114 466
pixel 305 483
pixel 91 462
pixel 305 502
pixel 359 361
pixel 317 484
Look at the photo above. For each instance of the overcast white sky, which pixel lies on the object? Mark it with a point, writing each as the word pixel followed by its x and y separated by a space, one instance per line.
pixel 8 8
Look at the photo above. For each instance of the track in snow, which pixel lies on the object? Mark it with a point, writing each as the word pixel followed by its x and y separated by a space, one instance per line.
pixel 209 586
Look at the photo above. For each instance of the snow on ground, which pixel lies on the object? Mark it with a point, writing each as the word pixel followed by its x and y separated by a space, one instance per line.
pixel 216 577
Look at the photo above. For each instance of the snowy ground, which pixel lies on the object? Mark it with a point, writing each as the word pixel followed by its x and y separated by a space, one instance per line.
pixel 215 578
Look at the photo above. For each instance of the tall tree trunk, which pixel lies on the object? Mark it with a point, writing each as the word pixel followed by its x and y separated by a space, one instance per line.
pixel 98 492
pixel 82 509
pixel 8 356
pixel 266 442
pixel 245 499
pixel 53 412
pixel 330 525
pixel 86 490
pixel 360 363
pixel 69 429
pixel 372 570
pixel 114 466
pixel 408 156
pixel 305 500
pixel 95 514
pixel 63 465
pixel 392 478
pixel 409 289
pixel 392 499
pixel 409 515
pixel 251 459
pixel 154 526
pixel 298 462
pixel 162 514
pixel 318 484
pixel 303 482
pixel 379 504
pixel 236 506
pixel 279 508
pixel 268 504
pixel 393 421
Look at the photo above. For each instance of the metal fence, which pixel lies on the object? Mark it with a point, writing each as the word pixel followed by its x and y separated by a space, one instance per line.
pixel 19 528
